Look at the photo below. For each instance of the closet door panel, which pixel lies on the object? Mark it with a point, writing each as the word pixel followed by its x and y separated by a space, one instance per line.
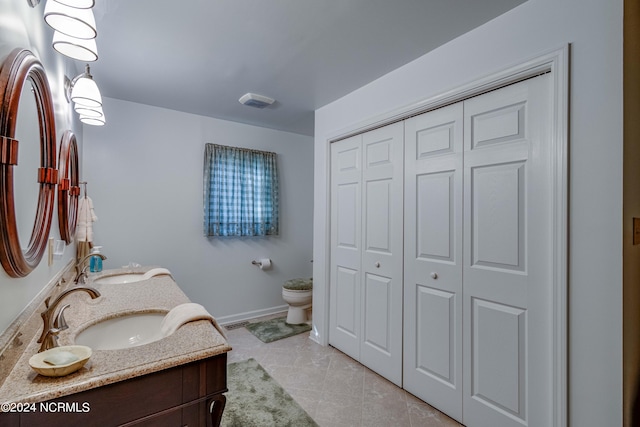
pixel 347 291
pixel 435 201
pixel 346 246
pixel 382 255
pixel 378 310
pixel 435 346
pixel 498 219
pixel 433 258
pixel 507 267
pixel 378 216
pixel 500 352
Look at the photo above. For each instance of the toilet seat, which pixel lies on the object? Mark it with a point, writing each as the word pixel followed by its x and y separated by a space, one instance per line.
pixel 298 294
pixel 299 284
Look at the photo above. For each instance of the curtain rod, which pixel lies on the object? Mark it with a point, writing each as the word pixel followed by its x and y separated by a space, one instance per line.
pixel 242 148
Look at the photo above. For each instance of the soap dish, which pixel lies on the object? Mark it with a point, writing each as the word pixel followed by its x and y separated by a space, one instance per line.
pixel 37 361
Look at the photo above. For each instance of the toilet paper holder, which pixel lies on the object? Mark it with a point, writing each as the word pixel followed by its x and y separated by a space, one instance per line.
pixel 263 264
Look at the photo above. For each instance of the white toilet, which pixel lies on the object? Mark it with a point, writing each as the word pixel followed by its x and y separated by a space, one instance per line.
pixel 298 294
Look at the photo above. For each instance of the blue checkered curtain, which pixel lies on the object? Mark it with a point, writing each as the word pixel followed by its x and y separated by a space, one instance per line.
pixel 240 192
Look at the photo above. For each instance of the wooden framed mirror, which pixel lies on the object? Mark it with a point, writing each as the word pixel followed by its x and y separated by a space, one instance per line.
pixel 23 80
pixel 68 186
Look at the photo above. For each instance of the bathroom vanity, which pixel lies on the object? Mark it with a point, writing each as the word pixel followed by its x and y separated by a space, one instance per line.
pixel 175 381
pixel 180 396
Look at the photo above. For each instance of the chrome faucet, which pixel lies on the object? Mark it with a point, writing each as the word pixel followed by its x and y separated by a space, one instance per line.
pixel 82 272
pixel 53 324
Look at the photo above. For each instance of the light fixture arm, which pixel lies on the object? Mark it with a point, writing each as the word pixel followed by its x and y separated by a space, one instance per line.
pixel 85 91
pixel 87 74
pixel 69 83
pixel 85 94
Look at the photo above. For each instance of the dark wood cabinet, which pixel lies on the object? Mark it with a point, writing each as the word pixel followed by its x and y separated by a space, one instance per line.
pixel 187 395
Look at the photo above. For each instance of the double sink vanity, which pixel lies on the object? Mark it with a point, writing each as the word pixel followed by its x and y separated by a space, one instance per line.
pixel 135 375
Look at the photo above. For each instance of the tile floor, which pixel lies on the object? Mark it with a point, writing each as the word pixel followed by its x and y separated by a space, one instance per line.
pixel 333 388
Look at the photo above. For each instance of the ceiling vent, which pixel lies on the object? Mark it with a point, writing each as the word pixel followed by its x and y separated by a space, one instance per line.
pixel 255 100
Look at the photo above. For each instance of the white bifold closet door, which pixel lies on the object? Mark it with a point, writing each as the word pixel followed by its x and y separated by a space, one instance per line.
pixel 508 266
pixel 366 279
pixel 433 258
pixel 479 247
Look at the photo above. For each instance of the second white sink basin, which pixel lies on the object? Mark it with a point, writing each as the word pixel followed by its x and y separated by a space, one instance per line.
pixel 122 332
pixel 120 278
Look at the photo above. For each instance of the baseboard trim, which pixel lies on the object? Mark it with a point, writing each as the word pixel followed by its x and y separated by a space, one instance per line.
pixel 234 318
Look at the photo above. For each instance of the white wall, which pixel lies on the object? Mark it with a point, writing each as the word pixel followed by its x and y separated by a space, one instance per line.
pixel 23 27
pixel 594 29
pixel 144 170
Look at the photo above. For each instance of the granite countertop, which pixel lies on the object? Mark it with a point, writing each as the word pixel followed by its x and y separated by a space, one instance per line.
pixel 193 341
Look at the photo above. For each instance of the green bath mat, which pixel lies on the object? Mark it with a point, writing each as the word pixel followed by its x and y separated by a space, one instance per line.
pixel 276 329
pixel 255 399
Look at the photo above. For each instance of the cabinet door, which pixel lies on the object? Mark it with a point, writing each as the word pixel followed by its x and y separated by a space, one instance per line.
pixel 382 272
pixel 346 246
pixel 508 258
pixel 433 258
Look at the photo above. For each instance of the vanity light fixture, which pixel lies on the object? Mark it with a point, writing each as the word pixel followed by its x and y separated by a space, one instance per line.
pixel 84 90
pixel 79 4
pixel 89 112
pixel 93 121
pixel 84 93
pixel 71 20
pixel 80 49
pixel 91 116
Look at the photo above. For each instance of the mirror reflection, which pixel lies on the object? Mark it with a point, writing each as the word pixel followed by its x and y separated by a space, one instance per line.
pixel 26 171
pixel 68 189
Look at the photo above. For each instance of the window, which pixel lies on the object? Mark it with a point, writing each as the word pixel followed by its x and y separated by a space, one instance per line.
pixel 240 192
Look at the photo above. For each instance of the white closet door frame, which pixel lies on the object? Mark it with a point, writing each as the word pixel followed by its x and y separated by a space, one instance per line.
pixel 557 63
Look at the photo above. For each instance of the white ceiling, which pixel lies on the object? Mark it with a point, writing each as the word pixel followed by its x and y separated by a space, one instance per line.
pixel 200 56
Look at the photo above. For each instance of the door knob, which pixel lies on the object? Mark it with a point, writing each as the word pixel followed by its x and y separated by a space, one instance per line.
pixel 434 275
pixel 377 264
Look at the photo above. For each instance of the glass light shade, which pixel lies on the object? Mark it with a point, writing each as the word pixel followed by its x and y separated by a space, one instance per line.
pixel 79 4
pixel 82 50
pixel 93 121
pixel 89 112
pixel 85 92
pixel 79 23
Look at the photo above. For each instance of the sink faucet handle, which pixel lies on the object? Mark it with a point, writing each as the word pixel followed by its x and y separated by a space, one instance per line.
pixel 81 277
pixel 61 323
pixel 52 323
pixel 50 340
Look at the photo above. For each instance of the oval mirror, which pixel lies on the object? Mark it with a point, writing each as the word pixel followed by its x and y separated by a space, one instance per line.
pixel 23 81
pixel 68 186
pixel 26 188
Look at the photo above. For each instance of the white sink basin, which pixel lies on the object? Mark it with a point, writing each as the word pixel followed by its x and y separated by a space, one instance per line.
pixel 120 278
pixel 115 279
pixel 122 332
